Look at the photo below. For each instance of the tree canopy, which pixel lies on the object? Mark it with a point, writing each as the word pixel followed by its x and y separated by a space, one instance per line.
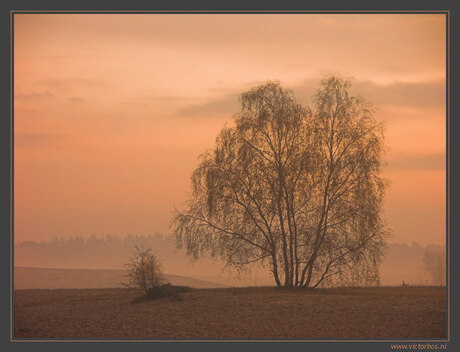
pixel 298 190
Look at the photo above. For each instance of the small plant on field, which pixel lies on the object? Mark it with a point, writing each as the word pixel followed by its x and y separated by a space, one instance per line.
pixel 144 271
pixel 145 274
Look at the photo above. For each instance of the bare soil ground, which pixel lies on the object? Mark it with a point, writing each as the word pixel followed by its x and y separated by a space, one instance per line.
pixel 233 313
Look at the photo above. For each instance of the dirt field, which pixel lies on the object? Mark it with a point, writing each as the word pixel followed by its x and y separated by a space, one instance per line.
pixel 248 313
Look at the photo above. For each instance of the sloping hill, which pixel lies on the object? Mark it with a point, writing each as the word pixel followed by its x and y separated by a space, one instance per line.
pixel 50 278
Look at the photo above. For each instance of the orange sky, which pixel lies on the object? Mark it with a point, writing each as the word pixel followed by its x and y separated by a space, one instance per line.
pixel 112 111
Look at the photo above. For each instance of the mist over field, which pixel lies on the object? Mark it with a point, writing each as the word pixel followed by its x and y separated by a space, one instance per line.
pixel 401 261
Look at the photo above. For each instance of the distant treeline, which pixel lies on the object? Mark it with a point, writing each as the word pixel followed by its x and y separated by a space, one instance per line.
pixel 109 252
pixel 401 262
pixel 406 262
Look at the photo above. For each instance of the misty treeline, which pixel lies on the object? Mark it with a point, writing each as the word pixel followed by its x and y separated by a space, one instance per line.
pixel 297 189
pixel 434 261
pixel 108 252
pixel 401 261
pixel 409 263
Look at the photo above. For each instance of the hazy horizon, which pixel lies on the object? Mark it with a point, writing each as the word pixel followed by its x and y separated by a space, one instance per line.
pixel 112 111
pixel 400 262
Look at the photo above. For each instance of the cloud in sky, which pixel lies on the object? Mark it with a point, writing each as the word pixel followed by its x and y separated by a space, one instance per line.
pixel 33 95
pixel 48 140
pixel 225 106
pixel 76 99
pixel 418 95
pixel 422 94
pixel 73 82
pixel 435 161
pixel 194 49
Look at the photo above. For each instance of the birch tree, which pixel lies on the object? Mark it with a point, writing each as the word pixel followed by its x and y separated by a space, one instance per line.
pixel 295 189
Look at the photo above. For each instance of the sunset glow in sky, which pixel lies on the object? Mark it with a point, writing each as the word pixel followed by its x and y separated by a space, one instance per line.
pixel 112 111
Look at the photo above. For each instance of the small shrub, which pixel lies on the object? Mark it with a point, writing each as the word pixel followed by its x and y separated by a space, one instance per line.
pixel 144 271
pixel 145 274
